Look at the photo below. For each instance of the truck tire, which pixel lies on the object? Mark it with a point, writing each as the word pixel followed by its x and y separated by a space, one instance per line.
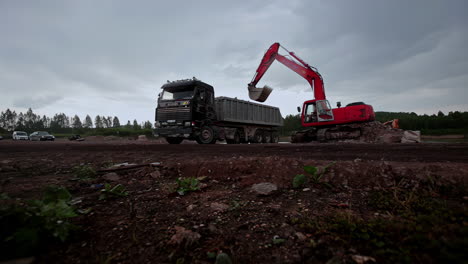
pixel 258 136
pixel 174 140
pixel 274 138
pixel 206 136
pixel 236 139
pixel 266 137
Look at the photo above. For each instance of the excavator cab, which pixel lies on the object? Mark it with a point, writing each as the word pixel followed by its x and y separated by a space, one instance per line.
pixel 318 111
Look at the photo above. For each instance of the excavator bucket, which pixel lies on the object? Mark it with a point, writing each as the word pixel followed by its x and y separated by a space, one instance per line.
pixel 259 94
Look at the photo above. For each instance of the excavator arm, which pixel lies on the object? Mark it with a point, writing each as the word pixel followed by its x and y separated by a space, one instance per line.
pixel 300 67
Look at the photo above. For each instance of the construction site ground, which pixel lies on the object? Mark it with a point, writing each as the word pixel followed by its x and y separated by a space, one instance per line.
pixel 383 203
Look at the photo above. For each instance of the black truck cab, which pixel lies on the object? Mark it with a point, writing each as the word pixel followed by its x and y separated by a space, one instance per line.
pixel 183 107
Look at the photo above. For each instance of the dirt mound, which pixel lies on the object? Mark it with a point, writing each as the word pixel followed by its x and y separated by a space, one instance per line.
pixel 376 132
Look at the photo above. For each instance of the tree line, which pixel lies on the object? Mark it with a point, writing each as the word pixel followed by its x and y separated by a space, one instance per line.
pixel 452 123
pixel 61 123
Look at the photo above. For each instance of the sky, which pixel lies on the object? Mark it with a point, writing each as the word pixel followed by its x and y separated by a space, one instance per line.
pixel 110 57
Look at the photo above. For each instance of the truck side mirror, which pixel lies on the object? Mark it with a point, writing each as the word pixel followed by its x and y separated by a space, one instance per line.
pixel 298 109
pixel 159 95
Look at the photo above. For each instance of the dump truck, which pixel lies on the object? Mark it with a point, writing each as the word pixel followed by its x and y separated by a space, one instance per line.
pixel 188 110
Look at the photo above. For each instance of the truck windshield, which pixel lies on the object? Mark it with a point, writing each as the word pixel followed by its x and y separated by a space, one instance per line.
pixel 178 93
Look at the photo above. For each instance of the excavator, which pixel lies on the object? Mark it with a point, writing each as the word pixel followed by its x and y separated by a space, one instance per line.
pixel 321 122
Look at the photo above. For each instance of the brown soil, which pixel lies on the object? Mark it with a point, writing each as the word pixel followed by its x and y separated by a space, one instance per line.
pixel 226 215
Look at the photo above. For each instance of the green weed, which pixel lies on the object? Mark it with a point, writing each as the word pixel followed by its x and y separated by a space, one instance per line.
pixel 312 173
pixel 26 227
pixel 185 185
pixel 112 192
pixel 84 172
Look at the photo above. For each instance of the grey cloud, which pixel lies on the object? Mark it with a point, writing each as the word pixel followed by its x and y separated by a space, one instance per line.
pixel 36 102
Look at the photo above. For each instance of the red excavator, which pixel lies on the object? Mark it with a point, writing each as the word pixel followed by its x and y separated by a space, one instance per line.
pixel 322 122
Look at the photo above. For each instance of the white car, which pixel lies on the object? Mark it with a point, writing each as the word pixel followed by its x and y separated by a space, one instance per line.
pixel 20 135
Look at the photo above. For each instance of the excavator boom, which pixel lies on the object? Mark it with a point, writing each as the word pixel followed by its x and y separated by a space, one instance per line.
pixel 299 66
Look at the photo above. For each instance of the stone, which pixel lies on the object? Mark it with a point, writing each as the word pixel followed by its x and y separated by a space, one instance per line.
pixel 142 138
pixel 264 188
pixel 220 207
pixel 155 174
pixel 111 176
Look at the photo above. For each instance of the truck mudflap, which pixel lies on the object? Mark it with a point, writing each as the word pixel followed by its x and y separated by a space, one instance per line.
pixel 173 132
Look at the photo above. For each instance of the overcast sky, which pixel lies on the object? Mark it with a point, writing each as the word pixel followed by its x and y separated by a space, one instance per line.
pixel 111 57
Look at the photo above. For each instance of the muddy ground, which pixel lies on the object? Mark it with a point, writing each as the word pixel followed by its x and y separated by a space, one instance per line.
pixel 382 203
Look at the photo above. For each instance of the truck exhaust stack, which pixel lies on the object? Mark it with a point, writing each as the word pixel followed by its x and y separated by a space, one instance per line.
pixel 259 94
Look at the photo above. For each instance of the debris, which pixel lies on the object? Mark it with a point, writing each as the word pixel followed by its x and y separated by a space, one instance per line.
pixel 306 189
pixel 111 176
pixel 264 188
pixel 128 166
pixel 362 259
pixel 75 138
pixel 219 207
pixel 411 137
pixel 184 237
pixel 277 240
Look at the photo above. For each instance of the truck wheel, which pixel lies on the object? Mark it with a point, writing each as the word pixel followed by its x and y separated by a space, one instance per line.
pixel 266 137
pixel 207 136
pixel 257 138
pixel 236 139
pixel 174 140
pixel 274 138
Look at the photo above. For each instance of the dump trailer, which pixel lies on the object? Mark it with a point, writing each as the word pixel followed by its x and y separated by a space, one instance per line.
pixel 187 109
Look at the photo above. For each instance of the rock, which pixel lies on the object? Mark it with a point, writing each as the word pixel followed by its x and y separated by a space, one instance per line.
pixel 264 188
pixel 362 259
pixel 155 174
pixel 213 229
pixel 190 207
pixel 306 189
pixel 220 207
pixel 184 237
pixel 142 138
pixel 112 176
pixel 300 236
pixel 411 137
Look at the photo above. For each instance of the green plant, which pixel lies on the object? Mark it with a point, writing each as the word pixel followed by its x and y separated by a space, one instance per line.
pixel 112 192
pixel 185 185
pixel 299 180
pixel 26 227
pixel 313 173
pixel 84 172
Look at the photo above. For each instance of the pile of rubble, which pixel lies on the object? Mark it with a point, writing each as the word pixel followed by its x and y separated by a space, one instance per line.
pixel 376 132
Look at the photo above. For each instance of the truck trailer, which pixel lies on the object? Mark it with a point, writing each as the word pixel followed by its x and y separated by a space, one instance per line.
pixel 187 109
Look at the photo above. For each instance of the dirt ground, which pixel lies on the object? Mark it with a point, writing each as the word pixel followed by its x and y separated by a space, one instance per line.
pixel 382 203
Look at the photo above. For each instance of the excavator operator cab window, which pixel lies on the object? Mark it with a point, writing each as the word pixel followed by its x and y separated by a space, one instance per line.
pixel 310 113
pixel 324 111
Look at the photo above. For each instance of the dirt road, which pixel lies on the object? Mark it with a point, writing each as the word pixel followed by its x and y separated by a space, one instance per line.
pixel 382 202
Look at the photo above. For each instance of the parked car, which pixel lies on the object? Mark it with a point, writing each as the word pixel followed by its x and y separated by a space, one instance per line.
pixel 20 135
pixel 41 135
